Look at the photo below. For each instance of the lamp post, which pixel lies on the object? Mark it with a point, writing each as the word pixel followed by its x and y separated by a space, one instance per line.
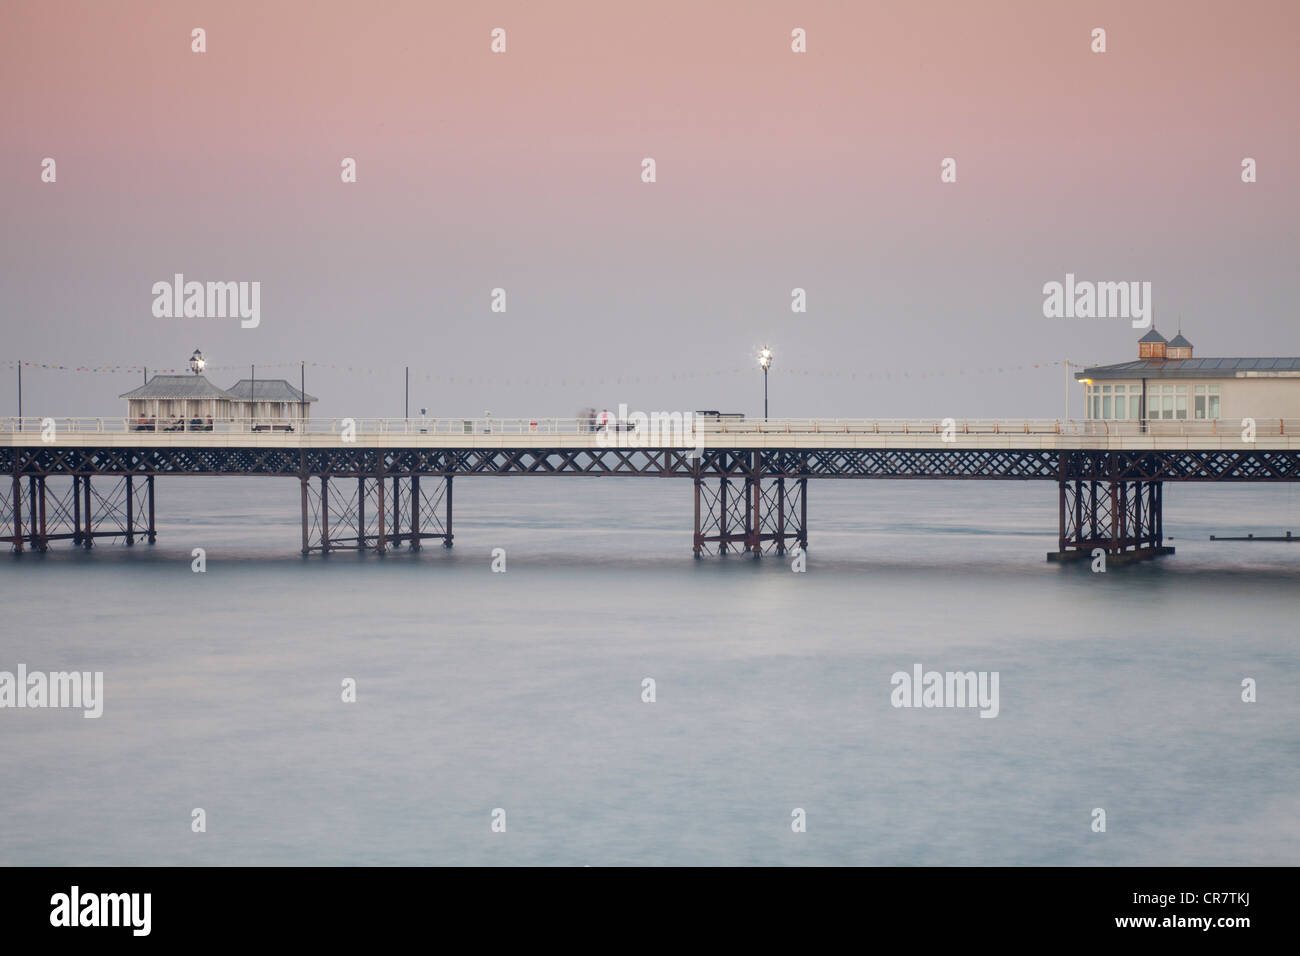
pixel 1085 382
pixel 1066 363
pixel 765 362
pixel 197 362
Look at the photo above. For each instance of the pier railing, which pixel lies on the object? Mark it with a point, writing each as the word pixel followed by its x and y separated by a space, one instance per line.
pixel 1223 428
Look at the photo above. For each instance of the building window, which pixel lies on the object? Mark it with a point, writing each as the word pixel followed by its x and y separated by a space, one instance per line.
pixel 1116 402
pixel 1205 399
pixel 1167 402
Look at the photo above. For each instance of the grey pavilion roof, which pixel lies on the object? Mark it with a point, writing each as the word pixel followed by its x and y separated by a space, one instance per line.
pixel 178 386
pixel 1196 368
pixel 267 390
pixel 1178 342
pixel 1152 336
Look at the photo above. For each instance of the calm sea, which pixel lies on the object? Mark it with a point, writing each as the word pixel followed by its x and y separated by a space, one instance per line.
pixel 523 691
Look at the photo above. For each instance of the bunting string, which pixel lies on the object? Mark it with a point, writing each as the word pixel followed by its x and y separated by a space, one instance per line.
pixel 439 378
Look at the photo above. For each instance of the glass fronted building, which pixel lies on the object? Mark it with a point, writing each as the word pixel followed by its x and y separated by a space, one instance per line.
pixel 1168 383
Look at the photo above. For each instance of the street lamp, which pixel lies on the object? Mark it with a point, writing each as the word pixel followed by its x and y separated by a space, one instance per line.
pixel 197 362
pixel 765 362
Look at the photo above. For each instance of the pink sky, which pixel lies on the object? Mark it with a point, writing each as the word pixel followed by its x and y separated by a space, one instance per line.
pixel 521 170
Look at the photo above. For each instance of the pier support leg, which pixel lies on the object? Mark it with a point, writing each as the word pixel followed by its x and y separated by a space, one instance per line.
pixel 1092 510
pixel 87 525
pixel 698 547
pixel 335 522
pixel 780 516
pixel 1060 546
pixel 33 515
pixel 304 481
pixel 1137 514
pixel 361 514
pixel 397 512
pixel 18 513
pixel 130 510
pixel 76 510
pixel 764 514
pixel 148 487
pixel 1158 510
pixel 803 513
pixel 379 513
pixel 753 490
pixel 1078 509
pixel 1116 518
pixel 45 533
pixel 325 514
pixel 41 515
pixel 415 513
pixel 1124 520
pixel 722 515
pixel 446 541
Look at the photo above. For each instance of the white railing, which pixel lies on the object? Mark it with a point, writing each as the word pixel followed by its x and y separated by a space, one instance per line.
pixel 1222 428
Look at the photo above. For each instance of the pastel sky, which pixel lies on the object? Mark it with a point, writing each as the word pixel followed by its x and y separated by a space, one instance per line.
pixel 522 171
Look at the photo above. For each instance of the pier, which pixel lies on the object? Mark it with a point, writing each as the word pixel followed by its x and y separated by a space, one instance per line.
pixel 380 484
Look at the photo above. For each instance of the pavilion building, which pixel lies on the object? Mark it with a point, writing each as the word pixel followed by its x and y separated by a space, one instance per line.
pixel 171 400
pixel 273 402
pixel 1167 382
